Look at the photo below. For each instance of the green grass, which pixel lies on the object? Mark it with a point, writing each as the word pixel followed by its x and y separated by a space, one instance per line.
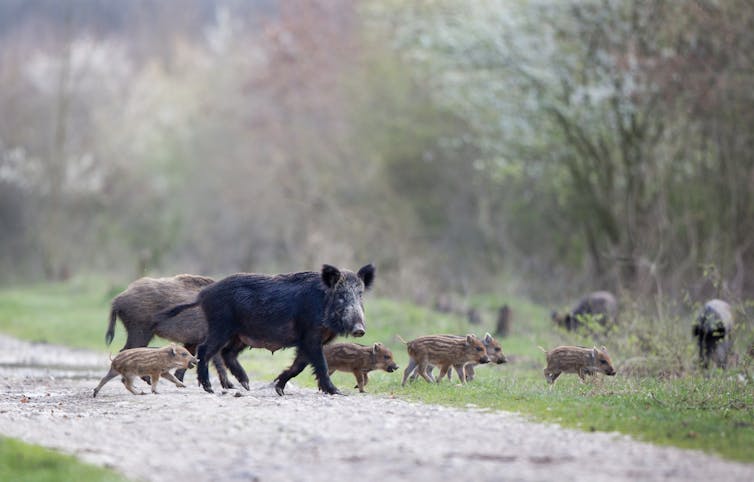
pixel 29 463
pixel 714 413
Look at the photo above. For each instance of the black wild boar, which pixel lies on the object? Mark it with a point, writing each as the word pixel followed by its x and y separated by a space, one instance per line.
pixel 303 310
pixel 600 305
pixel 577 359
pixel 145 297
pixel 152 362
pixel 444 351
pixel 712 330
pixel 359 360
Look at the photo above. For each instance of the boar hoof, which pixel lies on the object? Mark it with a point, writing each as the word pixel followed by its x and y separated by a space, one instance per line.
pixel 245 384
pixel 279 390
pixel 208 388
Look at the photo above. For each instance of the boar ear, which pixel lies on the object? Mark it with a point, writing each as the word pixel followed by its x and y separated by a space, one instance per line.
pixel 366 273
pixel 376 347
pixel 330 275
pixel 603 348
pixel 172 350
pixel 469 339
pixel 487 338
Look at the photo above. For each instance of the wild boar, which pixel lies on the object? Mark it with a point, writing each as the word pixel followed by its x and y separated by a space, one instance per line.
pixel 143 298
pixel 152 362
pixel 359 360
pixel 443 351
pixel 494 353
pixel 600 305
pixel 304 310
pixel 712 330
pixel 577 359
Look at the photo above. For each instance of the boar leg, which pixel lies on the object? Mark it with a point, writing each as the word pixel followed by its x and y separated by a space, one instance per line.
pixel 410 369
pixel 469 369
pixel 138 339
pixel 443 371
pixel 359 380
pixel 298 365
pixel 415 373
pixel 365 375
pixel 212 344
pixel 110 375
pixel 128 381
pixel 167 375
pixel 422 369
pixel 155 378
pixel 313 350
pixel 458 369
pixel 230 357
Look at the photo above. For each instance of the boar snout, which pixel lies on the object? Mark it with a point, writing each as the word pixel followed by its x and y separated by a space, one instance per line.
pixel 484 359
pixel 392 368
pixel 358 330
pixel 502 360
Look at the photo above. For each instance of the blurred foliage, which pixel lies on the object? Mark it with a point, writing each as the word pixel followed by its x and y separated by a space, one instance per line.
pixel 544 147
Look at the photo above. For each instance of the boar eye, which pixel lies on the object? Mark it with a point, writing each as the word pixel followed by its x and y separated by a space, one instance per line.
pixel 387 357
pixel 603 362
pixel 478 349
pixel 497 349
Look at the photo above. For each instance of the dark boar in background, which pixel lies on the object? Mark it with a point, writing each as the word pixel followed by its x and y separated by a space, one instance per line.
pixel 712 330
pixel 601 305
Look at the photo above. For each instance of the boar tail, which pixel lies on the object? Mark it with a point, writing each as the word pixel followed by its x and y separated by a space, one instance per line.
pixel 171 312
pixel 111 327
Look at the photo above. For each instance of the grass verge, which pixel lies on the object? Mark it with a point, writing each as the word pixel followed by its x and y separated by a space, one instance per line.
pixel 30 463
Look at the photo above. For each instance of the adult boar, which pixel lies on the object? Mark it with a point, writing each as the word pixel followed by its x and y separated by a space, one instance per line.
pixel 712 330
pixel 600 305
pixel 138 304
pixel 303 310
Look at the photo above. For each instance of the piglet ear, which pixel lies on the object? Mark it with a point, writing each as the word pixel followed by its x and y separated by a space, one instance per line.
pixel 376 347
pixel 603 348
pixel 172 350
pixel 366 273
pixel 487 338
pixel 330 275
pixel 469 339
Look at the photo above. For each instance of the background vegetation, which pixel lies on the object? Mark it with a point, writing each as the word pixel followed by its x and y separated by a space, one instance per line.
pixel 545 146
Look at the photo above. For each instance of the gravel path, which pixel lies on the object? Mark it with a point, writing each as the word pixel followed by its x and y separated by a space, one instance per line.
pixel 186 434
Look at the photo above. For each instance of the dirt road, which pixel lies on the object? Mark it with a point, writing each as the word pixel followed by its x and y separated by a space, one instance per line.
pixel 187 434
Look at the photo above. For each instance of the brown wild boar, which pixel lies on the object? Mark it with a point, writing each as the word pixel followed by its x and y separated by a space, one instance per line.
pixel 359 360
pixel 494 353
pixel 577 359
pixel 152 362
pixel 443 351
pixel 143 298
